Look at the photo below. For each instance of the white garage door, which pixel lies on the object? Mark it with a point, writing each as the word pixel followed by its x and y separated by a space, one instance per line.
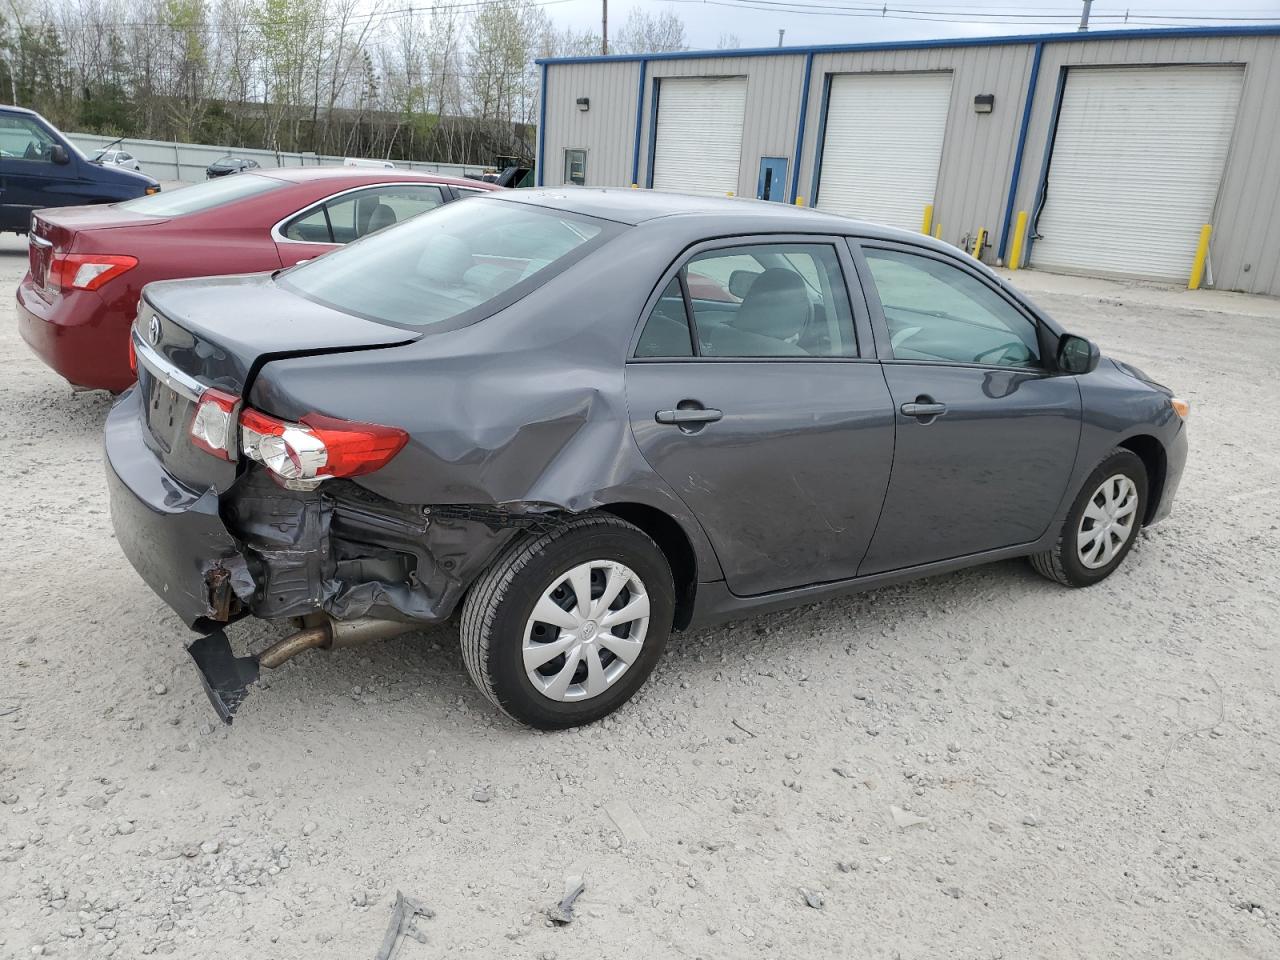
pixel 698 148
pixel 883 144
pixel 1135 170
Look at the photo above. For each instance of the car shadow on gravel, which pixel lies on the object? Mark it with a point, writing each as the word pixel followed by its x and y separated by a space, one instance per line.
pixel 429 662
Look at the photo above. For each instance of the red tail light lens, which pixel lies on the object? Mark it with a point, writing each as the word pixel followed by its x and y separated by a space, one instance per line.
pixel 213 428
pixel 302 454
pixel 87 271
pixel 133 357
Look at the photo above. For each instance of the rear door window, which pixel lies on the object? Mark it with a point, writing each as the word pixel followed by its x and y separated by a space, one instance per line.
pixel 762 300
pixel 354 215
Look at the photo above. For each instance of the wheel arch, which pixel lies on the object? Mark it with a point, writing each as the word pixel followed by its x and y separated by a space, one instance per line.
pixel 675 545
pixel 1151 452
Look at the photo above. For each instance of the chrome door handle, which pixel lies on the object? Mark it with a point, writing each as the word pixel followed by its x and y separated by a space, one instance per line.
pixel 923 410
pixel 695 415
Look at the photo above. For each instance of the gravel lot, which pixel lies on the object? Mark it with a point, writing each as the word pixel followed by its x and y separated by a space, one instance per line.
pixel 1097 771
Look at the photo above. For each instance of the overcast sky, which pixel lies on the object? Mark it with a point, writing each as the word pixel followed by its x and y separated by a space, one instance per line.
pixel 756 22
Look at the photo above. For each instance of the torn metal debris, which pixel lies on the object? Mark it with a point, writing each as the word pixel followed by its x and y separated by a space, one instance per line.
pixel 403 913
pixel 562 913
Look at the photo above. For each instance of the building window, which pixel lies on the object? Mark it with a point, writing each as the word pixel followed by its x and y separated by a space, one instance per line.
pixel 575 167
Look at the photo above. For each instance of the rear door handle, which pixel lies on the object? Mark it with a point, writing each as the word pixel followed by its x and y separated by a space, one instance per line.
pixel 923 410
pixel 695 415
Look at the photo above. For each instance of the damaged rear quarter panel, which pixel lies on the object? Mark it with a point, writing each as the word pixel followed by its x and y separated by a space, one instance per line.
pixel 525 410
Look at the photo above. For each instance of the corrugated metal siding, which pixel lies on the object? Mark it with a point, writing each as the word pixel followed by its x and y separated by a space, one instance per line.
pixel 978 154
pixel 606 131
pixel 1247 218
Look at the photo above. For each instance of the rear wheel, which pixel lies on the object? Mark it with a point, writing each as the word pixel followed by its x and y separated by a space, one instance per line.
pixel 565 627
pixel 1101 526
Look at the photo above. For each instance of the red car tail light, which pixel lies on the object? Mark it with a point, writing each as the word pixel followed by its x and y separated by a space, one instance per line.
pixel 87 271
pixel 300 455
pixel 213 428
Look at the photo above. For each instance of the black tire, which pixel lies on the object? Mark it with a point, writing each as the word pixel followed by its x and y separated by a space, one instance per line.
pixel 1062 564
pixel 501 601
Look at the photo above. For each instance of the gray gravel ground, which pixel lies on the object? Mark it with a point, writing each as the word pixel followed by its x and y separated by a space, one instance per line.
pixel 1076 774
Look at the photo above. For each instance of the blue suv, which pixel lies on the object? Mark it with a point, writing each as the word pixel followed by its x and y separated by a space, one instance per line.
pixel 39 167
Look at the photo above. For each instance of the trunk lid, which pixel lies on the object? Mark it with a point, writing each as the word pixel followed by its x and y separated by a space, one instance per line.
pixel 194 334
pixel 54 231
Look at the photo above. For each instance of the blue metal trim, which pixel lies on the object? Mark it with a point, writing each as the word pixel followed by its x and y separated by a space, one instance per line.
pixel 822 136
pixel 1018 150
pixel 542 127
pixel 804 113
pixel 1050 134
pixel 1076 36
pixel 653 132
pixel 635 157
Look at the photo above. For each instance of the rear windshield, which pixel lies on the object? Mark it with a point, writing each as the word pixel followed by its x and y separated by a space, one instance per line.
pixel 201 196
pixel 457 263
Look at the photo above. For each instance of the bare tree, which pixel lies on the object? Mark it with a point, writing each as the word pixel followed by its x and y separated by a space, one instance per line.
pixel 644 32
pixel 449 81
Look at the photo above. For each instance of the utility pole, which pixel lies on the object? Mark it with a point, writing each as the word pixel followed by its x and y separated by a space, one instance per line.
pixel 781 33
pixel 1084 15
pixel 604 27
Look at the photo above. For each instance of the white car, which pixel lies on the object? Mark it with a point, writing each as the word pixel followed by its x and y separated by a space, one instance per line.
pixel 117 157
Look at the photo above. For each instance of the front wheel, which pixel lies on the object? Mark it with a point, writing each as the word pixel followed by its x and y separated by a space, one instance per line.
pixel 1101 526
pixel 564 627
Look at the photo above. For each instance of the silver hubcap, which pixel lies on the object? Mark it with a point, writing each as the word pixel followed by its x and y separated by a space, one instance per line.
pixel 1108 522
pixel 587 628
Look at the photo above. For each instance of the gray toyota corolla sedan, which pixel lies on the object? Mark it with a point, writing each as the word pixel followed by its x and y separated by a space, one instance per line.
pixel 580 419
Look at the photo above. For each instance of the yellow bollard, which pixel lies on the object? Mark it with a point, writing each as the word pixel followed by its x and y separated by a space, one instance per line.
pixel 1202 254
pixel 1019 232
pixel 927 223
pixel 937 230
pixel 799 201
pixel 979 243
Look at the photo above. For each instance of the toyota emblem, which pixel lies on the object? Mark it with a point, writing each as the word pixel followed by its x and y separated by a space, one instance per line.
pixel 153 329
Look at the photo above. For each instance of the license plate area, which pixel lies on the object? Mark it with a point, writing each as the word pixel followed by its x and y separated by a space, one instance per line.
pixel 167 413
pixel 39 257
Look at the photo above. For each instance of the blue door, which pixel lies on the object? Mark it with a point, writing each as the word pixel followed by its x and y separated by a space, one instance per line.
pixel 773 179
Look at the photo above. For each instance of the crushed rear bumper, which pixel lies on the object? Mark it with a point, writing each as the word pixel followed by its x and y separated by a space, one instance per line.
pixel 172 535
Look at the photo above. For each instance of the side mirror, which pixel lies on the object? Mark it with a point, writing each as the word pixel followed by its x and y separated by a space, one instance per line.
pixel 58 154
pixel 1076 354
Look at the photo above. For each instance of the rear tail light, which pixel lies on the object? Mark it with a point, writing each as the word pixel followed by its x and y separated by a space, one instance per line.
pixel 213 428
pixel 133 357
pixel 87 271
pixel 300 455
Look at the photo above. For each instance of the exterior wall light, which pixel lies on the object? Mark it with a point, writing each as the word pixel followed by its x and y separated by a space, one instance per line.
pixel 982 103
pixel 584 104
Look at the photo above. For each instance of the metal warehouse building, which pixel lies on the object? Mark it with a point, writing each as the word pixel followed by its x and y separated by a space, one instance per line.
pixel 1120 146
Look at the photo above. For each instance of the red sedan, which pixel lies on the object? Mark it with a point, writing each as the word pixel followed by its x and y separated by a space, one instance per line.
pixel 88 264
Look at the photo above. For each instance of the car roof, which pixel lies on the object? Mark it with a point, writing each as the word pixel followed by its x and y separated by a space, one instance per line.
pixel 372 174
pixel 634 207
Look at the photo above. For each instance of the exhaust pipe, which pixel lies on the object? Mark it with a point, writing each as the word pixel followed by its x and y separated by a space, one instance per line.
pixel 227 678
pixel 330 634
